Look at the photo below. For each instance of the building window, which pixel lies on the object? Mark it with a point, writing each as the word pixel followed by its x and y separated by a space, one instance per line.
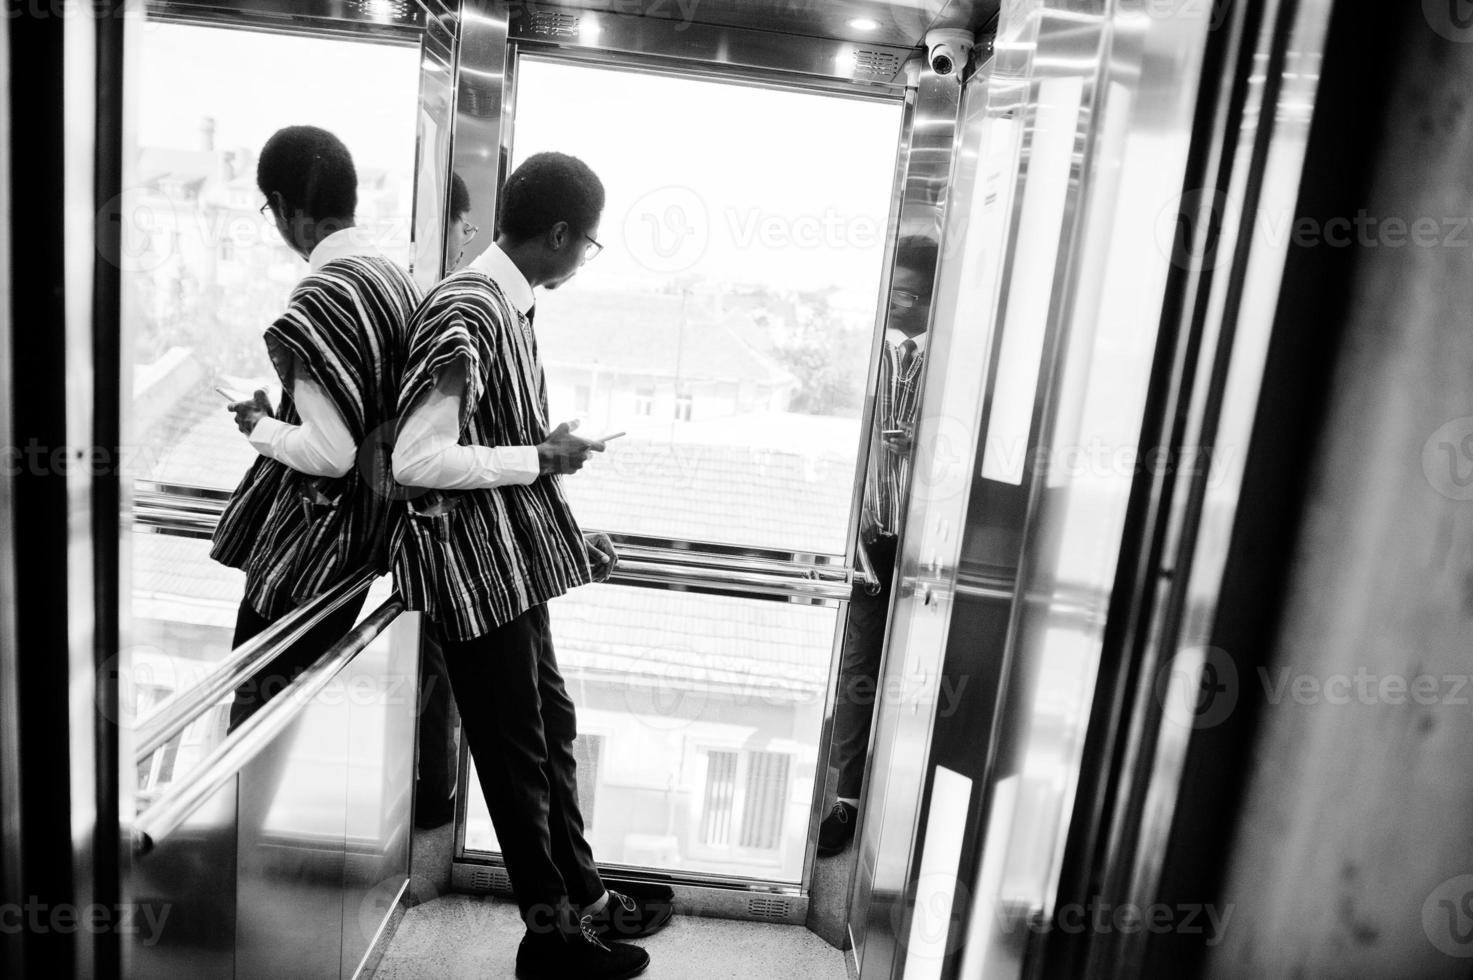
pixel 767 793
pixel 683 403
pixel 721 782
pixel 644 401
pixel 587 749
pixel 746 795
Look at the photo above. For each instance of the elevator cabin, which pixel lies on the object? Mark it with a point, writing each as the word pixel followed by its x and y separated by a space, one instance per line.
pixel 1062 187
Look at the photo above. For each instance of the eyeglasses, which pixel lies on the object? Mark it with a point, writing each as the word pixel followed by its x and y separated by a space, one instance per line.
pixel 262 209
pixel 903 299
pixel 591 250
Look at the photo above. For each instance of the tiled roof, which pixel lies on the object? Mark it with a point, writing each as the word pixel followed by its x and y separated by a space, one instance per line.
pixel 642 332
pixel 195 443
pixel 699 642
pixel 730 494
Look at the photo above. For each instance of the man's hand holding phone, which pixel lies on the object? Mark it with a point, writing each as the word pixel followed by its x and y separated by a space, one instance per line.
pixel 563 452
pixel 248 411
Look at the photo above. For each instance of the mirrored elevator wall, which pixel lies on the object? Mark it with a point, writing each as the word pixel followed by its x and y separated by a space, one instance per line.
pixel 1056 259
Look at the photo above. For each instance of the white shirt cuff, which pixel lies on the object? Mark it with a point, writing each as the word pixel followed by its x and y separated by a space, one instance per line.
pixel 263 434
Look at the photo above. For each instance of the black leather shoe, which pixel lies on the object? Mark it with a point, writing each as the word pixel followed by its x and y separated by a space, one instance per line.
pixel 429 814
pixel 647 891
pixel 583 956
pixel 837 829
pixel 626 916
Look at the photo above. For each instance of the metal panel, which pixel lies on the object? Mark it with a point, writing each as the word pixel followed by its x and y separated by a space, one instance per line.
pixel 401 21
pixel 760 55
pixel 1080 147
pixel 11 840
pixel 382 711
pixel 185 896
pixel 483 99
pixel 1268 92
pixel 900 24
pixel 432 148
pixel 927 156
pixel 290 854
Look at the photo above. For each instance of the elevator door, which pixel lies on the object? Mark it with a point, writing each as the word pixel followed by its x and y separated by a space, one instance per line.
pixel 727 326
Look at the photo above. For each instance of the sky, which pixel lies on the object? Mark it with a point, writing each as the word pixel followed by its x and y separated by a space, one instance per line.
pixel 721 181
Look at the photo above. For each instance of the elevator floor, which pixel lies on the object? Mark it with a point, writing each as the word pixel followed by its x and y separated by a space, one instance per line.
pixel 472 936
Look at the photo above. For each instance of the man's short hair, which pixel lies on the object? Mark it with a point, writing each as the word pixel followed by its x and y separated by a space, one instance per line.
pixel 548 188
pixel 312 171
pixel 460 198
pixel 918 253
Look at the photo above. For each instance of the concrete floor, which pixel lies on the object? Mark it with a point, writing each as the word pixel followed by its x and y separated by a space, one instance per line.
pixel 473 936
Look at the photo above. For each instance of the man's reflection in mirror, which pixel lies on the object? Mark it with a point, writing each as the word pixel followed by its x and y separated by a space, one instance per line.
pixel 459 232
pixel 897 404
pixel 434 787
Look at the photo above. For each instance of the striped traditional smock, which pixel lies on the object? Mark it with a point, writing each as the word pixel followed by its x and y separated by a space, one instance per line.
pixel 897 399
pixel 472 560
pixel 293 534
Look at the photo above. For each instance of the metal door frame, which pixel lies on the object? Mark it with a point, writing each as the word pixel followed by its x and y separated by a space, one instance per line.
pixel 781 62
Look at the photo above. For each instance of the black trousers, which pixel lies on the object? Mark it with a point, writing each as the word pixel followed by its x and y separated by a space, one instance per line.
pixel 435 779
pixel 268 682
pixel 519 722
pixel 859 668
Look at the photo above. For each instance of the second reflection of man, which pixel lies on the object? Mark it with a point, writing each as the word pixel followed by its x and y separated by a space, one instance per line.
pixel 897 406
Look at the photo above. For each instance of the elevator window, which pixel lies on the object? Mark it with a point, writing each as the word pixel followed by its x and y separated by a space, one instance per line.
pixel 731 314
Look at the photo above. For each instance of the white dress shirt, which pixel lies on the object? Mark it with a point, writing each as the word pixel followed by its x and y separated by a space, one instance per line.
pixel 321 445
pixel 428 453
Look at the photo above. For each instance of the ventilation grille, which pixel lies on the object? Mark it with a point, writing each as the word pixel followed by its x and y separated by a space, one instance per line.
pixel 875 64
pixel 769 908
pixel 492 880
pixel 552 23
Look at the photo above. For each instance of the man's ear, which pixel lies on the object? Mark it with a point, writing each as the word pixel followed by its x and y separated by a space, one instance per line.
pixel 557 236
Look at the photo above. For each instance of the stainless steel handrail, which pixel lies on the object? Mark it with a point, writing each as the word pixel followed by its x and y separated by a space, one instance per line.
pixel 192 511
pixel 709 559
pixel 632 571
pixel 248 741
pixel 181 710
pixel 181 490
